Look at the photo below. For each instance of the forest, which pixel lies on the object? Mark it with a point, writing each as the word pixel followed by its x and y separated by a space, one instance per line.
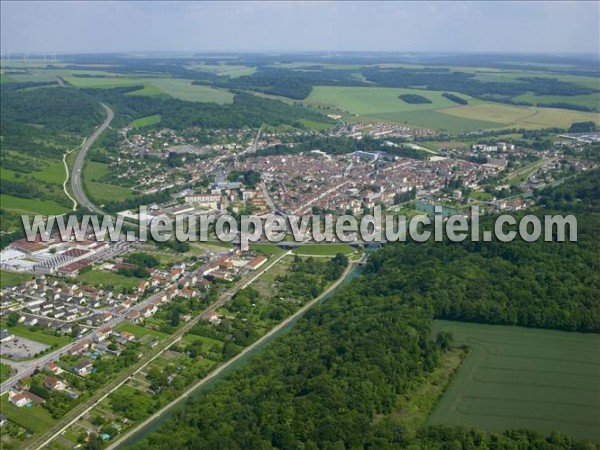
pixel 455 98
pixel 336 379
pixel 247 110
pixel 414 99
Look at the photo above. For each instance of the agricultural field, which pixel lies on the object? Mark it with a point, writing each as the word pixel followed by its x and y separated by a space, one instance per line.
pixel 93 173
pixel 103 82
pixel 220 69
pixel 522 117
pixel 589 100
pixel 32 206
pixel 185 90
pixel 370 104
pixel 517 377
pixel 146 121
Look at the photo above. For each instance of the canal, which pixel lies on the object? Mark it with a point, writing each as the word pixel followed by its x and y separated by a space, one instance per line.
pixel 156 423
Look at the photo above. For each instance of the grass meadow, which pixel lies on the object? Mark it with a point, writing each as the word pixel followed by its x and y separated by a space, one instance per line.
pixel 517 377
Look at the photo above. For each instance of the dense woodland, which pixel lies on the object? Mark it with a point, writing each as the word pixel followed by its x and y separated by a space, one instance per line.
pixel 247 110
pixel 336 379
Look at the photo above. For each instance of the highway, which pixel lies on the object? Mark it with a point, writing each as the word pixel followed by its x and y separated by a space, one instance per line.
pixel 76 183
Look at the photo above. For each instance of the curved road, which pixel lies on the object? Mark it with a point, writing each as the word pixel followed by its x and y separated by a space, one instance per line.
pixel 76 183
pixel 25 368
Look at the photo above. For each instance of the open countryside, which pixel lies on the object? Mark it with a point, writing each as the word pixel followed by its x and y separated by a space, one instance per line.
pixel 186 111
pixel 517 377
pixel 375 104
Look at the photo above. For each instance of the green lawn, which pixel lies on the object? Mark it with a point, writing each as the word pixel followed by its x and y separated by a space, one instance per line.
pixel 104 278
pixel 323 249
pixel 35 419
pixel 5 371
pixel 40 335
pixel 146 121
pixel 140 331
pixel 12 279
pixel 206 341
pixel 480 195
pixel 266 248
pixel 517 377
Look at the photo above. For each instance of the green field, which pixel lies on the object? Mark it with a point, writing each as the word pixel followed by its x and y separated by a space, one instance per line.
pixel 206 341
pixel 30 205
pixel 105 278
pixel 590 100
pixel 5 371
pixel 229 70
pixel 53 172
pixel 40 335
pixel 140 331
pixel 146 121
pixel 12 279
pixel 370 104
pixel 93 172
pixel 266 248
pixel 185 90
pixel 323 249
pixel 103 83
pixel 34 419
pixel 523 378
pixel 522 117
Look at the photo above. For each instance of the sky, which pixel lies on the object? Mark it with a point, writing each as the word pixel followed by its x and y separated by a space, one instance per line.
pixel 94 27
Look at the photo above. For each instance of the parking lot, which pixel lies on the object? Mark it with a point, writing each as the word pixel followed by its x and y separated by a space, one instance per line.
pixel 21 348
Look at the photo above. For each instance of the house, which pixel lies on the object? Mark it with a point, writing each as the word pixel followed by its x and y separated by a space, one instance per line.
pixel 257 262
pixel 82 369
pixel 80 348
pixel 19 400
pixel 101 335
pixel 3 420
pixel 149 310
pixel 6 336
pixel 134 316
pixel 124 337
pixel 54 384
pixel 51 368
pixel 24 398
pixel 214 319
